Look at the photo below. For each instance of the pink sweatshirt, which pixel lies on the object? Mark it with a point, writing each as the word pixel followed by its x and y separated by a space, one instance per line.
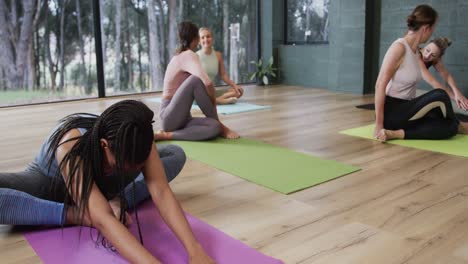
pixel 180 68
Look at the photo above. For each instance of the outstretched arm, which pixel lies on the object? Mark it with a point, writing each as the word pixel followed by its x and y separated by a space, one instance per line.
pixel 455 94
pixel 431 80
pixel 100 213
pixel 170 209
pixel 390 64
pixel 102 217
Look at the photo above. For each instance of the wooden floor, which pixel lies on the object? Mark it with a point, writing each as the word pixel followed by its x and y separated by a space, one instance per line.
pixel 404 206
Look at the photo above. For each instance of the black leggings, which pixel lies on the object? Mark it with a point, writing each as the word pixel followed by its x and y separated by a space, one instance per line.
pixel 429 116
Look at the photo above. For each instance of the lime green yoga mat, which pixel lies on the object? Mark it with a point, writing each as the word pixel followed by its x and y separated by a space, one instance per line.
pixel 277 168
pixel 457 145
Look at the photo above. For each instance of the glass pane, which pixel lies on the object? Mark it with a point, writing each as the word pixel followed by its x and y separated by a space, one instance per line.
pixel 234 26
pixel 307 21
pixel 47 51
pixel 124 34
pixel 139 33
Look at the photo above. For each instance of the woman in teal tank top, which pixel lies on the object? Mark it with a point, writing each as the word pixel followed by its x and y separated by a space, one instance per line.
pixel 212 63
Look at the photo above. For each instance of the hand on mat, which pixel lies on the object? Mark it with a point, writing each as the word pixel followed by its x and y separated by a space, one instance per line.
pixel 461 101
pixel 199 256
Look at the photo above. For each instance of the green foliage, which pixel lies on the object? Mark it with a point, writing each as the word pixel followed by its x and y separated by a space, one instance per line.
pixel 264 73
pixel 20 96
pixel 134 59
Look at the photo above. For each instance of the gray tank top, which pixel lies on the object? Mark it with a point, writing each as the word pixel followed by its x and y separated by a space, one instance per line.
pixel 110 186
pixel 42 158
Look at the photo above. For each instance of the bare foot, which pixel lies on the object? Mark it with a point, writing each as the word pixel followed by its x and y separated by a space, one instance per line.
pixel 224 101
pixel 386 134
pixel 463 128
pixel 229 134
pixel 162 135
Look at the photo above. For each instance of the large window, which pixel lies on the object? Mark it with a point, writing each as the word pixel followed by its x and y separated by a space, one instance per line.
pixel 234 26
pixel 138 34
pixel 307 21
pixel 49 50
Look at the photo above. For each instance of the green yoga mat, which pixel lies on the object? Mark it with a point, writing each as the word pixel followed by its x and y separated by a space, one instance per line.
pixel 279 169
pixel 457 145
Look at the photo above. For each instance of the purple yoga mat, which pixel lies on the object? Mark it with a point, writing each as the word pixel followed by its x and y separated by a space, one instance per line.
pixel 64 246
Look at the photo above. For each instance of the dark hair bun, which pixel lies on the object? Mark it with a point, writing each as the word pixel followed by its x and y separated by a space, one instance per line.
pixel 411 21
pixel 421 15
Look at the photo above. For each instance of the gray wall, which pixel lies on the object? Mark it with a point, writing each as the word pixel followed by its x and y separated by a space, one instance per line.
pixel 266 28
pixel 453 23
pixel 339 65
pixel 304 65
pixel 346 49
pixel 271 28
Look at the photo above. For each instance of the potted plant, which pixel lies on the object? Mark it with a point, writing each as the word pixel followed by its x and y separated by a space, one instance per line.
pixel 264 73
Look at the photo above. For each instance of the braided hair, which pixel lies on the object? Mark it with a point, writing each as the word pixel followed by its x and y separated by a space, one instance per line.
pixel 127 127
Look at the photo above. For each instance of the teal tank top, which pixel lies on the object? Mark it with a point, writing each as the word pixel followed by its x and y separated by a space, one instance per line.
pixel 209 63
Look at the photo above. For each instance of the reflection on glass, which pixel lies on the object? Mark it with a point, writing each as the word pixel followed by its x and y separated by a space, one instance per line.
pixel 48 46
pixel 307 21
pixel 140 36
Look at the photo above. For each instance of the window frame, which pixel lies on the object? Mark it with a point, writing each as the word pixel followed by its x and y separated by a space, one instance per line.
pixel 101 89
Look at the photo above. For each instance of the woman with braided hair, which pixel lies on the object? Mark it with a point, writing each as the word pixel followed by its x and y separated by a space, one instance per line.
pixel 92 169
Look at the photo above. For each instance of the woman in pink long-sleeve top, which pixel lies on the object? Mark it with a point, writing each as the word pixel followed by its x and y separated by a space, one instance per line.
pixel 186 81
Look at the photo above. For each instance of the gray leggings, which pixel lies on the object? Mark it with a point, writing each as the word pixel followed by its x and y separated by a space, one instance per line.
pixel 176 118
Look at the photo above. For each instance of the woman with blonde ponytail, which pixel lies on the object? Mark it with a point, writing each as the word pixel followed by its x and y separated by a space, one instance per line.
pixel 431 55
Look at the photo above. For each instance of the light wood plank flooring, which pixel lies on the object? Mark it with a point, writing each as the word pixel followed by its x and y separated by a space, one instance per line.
pixel 405 206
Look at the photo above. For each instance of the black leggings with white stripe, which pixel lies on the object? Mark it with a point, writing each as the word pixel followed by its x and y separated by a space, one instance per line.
pixel 429 116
